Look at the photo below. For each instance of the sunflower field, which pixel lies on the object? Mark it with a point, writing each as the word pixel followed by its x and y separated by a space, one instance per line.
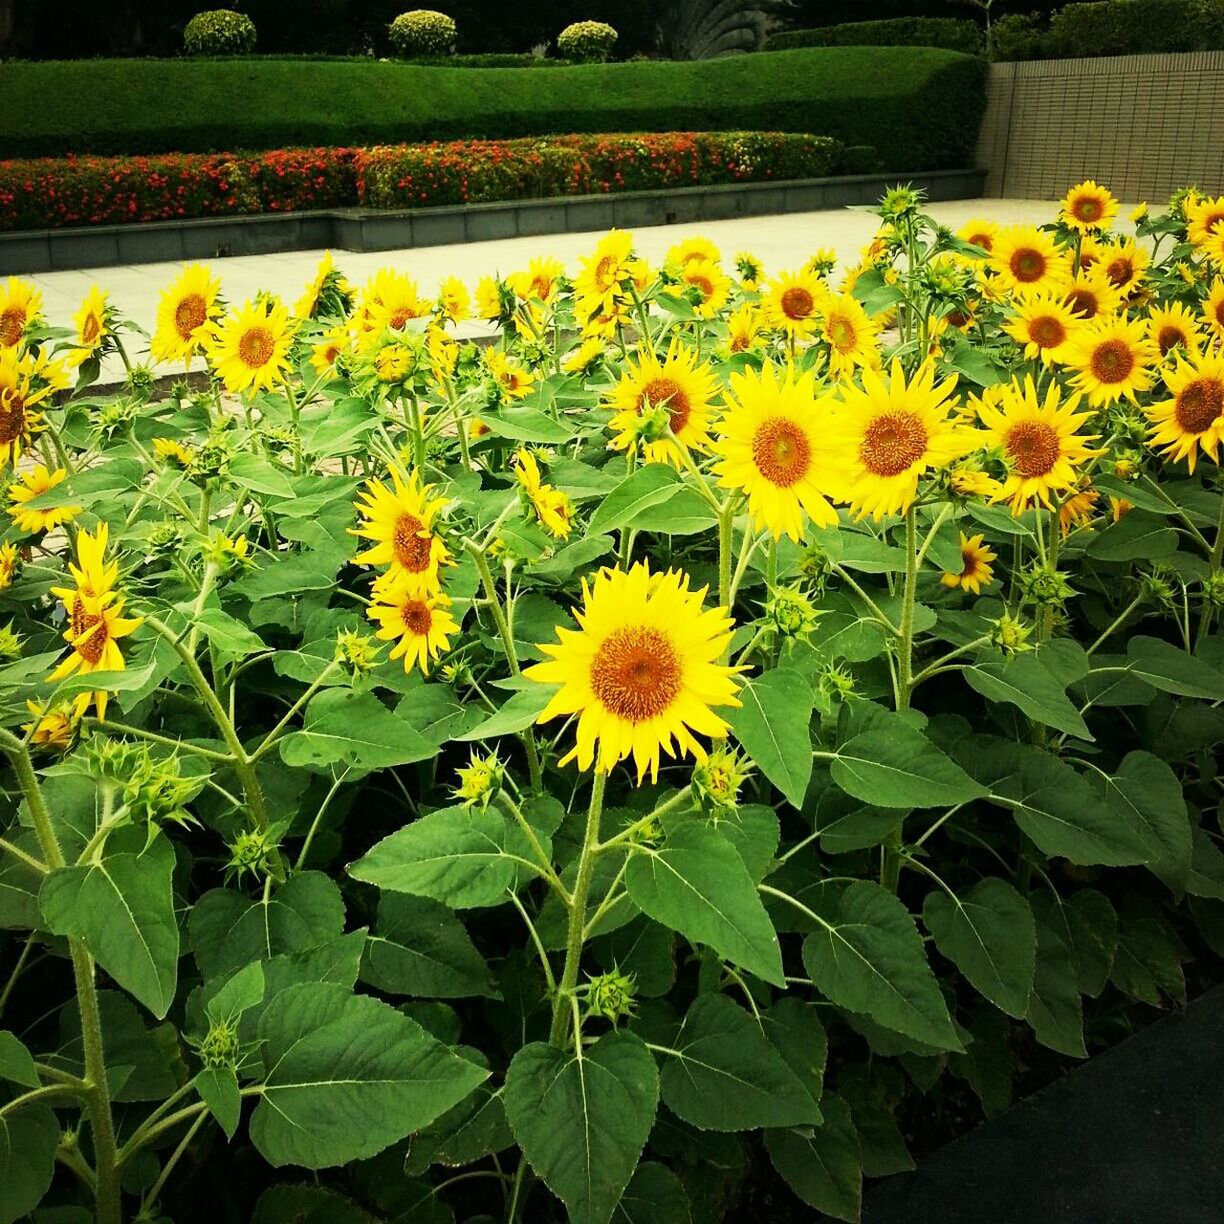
pixel 732 728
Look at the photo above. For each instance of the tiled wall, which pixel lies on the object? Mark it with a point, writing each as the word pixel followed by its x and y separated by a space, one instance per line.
pixel 1143 125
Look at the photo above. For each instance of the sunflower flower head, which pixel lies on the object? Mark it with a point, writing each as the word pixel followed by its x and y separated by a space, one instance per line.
pixel 34 483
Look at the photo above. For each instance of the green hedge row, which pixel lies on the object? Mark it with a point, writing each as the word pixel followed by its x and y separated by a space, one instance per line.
pixel 919 107
pixel 951 33
pixel 1112 27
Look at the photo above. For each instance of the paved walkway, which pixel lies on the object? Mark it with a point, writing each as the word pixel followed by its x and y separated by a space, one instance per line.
pixel 781 242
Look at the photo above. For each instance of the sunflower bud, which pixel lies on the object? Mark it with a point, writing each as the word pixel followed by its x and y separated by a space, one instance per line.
pixel 480 780
pixel 791 613
pixel 1010 634
pixel 10 642
pixel 610 995
pixel 836 682
pixel 253 851
pixel 220 1046
pixel 1046 587
pixel 717 782
pixel 1213 588
pixel 140 382
pixel 357 651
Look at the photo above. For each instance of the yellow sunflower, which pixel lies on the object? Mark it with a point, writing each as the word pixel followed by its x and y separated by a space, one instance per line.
pixel 10 559
pixel 850 332
pixel 1025 259
pixel 975 571
pixel 584 358
pixel 1192 419
pixel 540 282
pixel 1111 359
pixel 26 380
pixel 454 301
pixel 1038 440
pixel 52 726
pixel 552 507
pixel 1203 219
pixel 1088 206
pixel 92 573
pixel 795 301
pixel 772 447
pixel 400 522
pixel 889 434
pixel 34 483
pixel 1078 510
pixel 712 285
pixel 641 672
pixel 1091 293
pixel 1213 249
pixel 249 348
pixel 489 297
pixel 184 312
pixel 1126 265
pixel 691 250
pixel 677 384
pixel 1043 325
pixel 20 305
pixel 979 232
pixel 174 452
pixel 1213 308
pixel 420 625
pixel 1173 326
pixel 328 347
pixel 92 326
pixel 601 273
pixel 389 299
pixel 744 328
pixel 515 381
pixel 327 294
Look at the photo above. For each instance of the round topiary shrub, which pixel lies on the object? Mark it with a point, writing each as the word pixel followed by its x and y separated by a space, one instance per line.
pixel 586 42
pixel 422 32
pixel 219 32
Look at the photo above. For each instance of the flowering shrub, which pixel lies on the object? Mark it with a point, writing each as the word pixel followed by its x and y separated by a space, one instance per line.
pixel 586 42
pixel 219 32
pixel 422 32
pixel 736 718
pixel 109 190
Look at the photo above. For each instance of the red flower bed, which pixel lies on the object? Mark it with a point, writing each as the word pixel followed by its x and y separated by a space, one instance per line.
pixel 53 192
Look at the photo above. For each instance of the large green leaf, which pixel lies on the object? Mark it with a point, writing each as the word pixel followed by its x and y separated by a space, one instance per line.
pixel 655 1195
pixel 899 767
pixel 1087 925
pixel 871 959
pixel 724 1074
pixel 29 1138
pixel 1054 1009
pixel 1136 536
pixel 772 723
pixel 649 486
pixel 1027 682
pixel 989 934
pixel 1172 670
pixel 346 1076
pixel 455 855
pixel 343 727
pixel 519 713
pixel 122 906
pixel 16 1062
pixel 582 1118
pixel 822 1165
pixel 697 884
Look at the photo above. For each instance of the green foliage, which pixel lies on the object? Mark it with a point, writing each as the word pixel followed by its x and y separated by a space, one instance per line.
pixel 587 42
pixel 918 107
pixel 219 32
pixel 952 33
pixel 1112 27
pixel 422 32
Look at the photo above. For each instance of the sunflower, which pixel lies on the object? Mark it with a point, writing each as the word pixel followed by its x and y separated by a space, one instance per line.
pixel 327 348
pixel 552 507
pixel 1088 206
pixel 772 446
pixel 1077 510
pixel 691 250
pixel 515 381
pixel 1043 324
pixel 95 623
pixel 174 452
pixel 52 726
pixel 980 233
pixel 677 384
pixel 744 328
pixel 1025 259
pixel 710 283
pixel 601 273
pixel 328 293
pixel 888 434
pixel 454 301
pixel 1173 326
pixel 92 326
pixel 400 522
pixel 641 670
pixel 1038 440
pixel 26 380
pixel 1111 358
pixel 490 298
pixel 443 354
pixel 1213 249
pixel 249 348
pixel 1213 308
pixel 1126 265
pixel 583 359
pixel 975 571
pixel 184 312
pixel 34 483
pixel 821 262
pixel 1203 219
pixel 1192 419
pixel 751 270
pixel 795 303
pixel 10 559
pixel 20 305
pixel 540 282
pixel 389 299
pixel 422 623
pixel 1091 293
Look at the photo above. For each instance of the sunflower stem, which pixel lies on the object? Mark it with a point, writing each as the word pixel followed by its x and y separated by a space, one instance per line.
pixel 726 518
pixel 577 914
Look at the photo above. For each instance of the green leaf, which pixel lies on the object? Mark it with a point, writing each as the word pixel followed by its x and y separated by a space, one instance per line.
pixel 467 1132
pixel 16 1062
pixel 989 934
pixel 697 884
pixel 582 1119
pixel 258 474
pixel 29 1138
pixel 453 855
pixel 1136 536
pixel 1146 796
pixel 687 513
pixel 795 1031
pixel 519 713
pixel 218 1089
pixel 1173 670
pixel 122 906
pixel 347 728
pixel 229 634
pixel 527 425
pixel 655 1195
pixel 900 767
pixel 1147 965
pixel 1025 681
pixel 336 429
pixel 649 486
pixel 754 831
pixel 822 1165
pixel 724 1074
pixel 1054 1010
pixel 420 948
pixel 346 1076
pixel 772 724
pixel 882 1146
pixel 871 959
pixel 1088 926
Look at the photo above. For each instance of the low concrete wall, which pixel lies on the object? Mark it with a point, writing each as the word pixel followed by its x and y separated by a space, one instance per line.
pixel 354 229
pixel 1143 125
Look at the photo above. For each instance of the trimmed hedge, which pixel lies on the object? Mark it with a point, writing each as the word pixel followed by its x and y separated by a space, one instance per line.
pixel 951 33
pixel 919 107
pixel 1114 27
pixel 491 59
pixel 53 192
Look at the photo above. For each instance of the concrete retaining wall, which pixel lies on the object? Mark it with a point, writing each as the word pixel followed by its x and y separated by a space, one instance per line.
pixel 1143 125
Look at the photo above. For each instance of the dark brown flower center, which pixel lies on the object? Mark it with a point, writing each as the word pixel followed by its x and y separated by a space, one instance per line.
pixel 1033 448
pixel 1113 361
pixel 1198 404
pixel 1083 302
pixel 1028 265
pixel 12 324
pixel 1169 338
pixel 636 673
pixel 797 303
pixel 411 543
pixel 190 313
pixel 256 347
pixel 90 649
pixel 664 390
pixel 12 415
pixel 417 617
pixel 1120 272
pixel 1046 331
